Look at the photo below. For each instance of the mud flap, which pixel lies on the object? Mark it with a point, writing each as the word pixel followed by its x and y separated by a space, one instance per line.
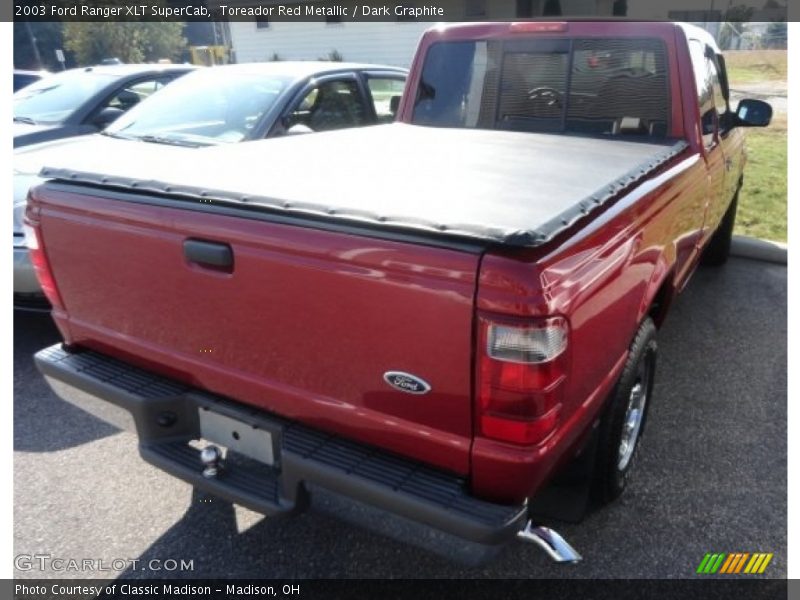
pixel 567 497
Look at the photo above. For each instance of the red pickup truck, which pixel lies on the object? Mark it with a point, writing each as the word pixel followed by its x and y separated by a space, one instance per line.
pixel 435 316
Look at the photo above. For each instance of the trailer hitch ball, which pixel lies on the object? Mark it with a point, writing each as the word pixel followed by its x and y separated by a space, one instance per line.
pixel 211 457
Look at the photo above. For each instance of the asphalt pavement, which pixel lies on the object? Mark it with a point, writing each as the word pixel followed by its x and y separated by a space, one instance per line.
pixel 711 475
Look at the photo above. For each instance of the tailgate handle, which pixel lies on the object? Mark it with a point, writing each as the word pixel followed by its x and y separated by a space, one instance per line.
pixel 209 254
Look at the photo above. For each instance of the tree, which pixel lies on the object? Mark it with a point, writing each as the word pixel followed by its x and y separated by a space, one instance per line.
pixel 739 13
pixel 735 18
pixel 776 35
pixel 130 41
pixel 48 40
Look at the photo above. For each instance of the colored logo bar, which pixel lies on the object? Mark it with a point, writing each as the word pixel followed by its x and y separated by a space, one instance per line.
pixel 734 563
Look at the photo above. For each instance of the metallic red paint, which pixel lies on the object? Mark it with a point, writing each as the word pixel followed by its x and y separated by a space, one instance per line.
pixel 305 326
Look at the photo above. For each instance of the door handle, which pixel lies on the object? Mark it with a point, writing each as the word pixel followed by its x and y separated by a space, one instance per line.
pixel 216 255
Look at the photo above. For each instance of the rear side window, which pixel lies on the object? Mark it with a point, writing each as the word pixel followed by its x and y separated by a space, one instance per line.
pixel 385 93
pixel 709 91
pixel 451 87
pixel 330 105
pixel 591 86
pixel 131 95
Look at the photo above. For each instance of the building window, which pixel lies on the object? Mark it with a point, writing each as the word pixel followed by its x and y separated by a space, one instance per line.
pixel 262 22
pixel 475 8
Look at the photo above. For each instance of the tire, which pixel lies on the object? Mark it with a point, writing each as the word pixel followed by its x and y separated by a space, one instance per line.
pixel 719 248
pixel 624 418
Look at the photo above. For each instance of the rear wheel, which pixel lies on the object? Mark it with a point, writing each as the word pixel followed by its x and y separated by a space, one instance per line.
pixel 622 424
pixel 719 247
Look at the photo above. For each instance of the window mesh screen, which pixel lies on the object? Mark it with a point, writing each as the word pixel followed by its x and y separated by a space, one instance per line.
pixel 618 83
pixel 533 85
pixel 596 86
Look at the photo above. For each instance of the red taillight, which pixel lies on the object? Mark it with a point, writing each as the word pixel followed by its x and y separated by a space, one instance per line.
pixel 538 27
pixel 521 367
pixel 33 239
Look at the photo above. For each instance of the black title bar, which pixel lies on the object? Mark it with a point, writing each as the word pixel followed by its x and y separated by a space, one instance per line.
pixel 708 588
pixel 352 10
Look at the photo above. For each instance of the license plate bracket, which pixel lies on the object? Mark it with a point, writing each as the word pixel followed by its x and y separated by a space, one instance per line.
pixel 250 439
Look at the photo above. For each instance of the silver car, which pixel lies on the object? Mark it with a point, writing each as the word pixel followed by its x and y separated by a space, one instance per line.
pixel 84 101
pixel 210 107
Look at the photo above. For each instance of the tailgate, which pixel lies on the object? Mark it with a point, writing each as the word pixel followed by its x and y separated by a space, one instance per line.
pixel 304 322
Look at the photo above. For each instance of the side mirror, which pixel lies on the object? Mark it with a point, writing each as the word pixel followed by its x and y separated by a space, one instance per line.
pixel 753 113
pixel 107 116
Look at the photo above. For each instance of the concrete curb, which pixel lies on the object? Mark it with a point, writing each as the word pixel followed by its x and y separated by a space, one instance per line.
pixel 756 249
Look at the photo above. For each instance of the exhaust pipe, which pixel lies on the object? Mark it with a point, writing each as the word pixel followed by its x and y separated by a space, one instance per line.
pixel 550 541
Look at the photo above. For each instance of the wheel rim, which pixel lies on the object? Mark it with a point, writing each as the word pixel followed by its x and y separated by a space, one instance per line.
pixel 634 415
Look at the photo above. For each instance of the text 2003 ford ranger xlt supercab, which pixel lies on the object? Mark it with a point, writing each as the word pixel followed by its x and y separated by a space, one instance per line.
pixel 433 316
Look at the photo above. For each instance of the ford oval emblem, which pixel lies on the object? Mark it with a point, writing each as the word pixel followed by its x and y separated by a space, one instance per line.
pixel 406 382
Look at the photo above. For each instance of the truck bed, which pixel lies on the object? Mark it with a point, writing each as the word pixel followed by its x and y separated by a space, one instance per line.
pixel 506 188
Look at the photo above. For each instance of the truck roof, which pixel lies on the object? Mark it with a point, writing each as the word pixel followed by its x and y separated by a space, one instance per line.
pixel 500 187
pixel 559 27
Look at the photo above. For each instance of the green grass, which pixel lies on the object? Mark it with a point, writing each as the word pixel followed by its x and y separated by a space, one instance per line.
pixel 763 199
pixel 752 66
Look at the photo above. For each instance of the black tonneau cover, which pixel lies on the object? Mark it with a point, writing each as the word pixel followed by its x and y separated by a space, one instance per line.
pixel 509 188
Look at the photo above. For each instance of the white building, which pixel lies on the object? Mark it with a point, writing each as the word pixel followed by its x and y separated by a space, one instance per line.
pixel 390 43
pixel 386 42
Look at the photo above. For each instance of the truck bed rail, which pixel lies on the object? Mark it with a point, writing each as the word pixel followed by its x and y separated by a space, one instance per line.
pixel 505 188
